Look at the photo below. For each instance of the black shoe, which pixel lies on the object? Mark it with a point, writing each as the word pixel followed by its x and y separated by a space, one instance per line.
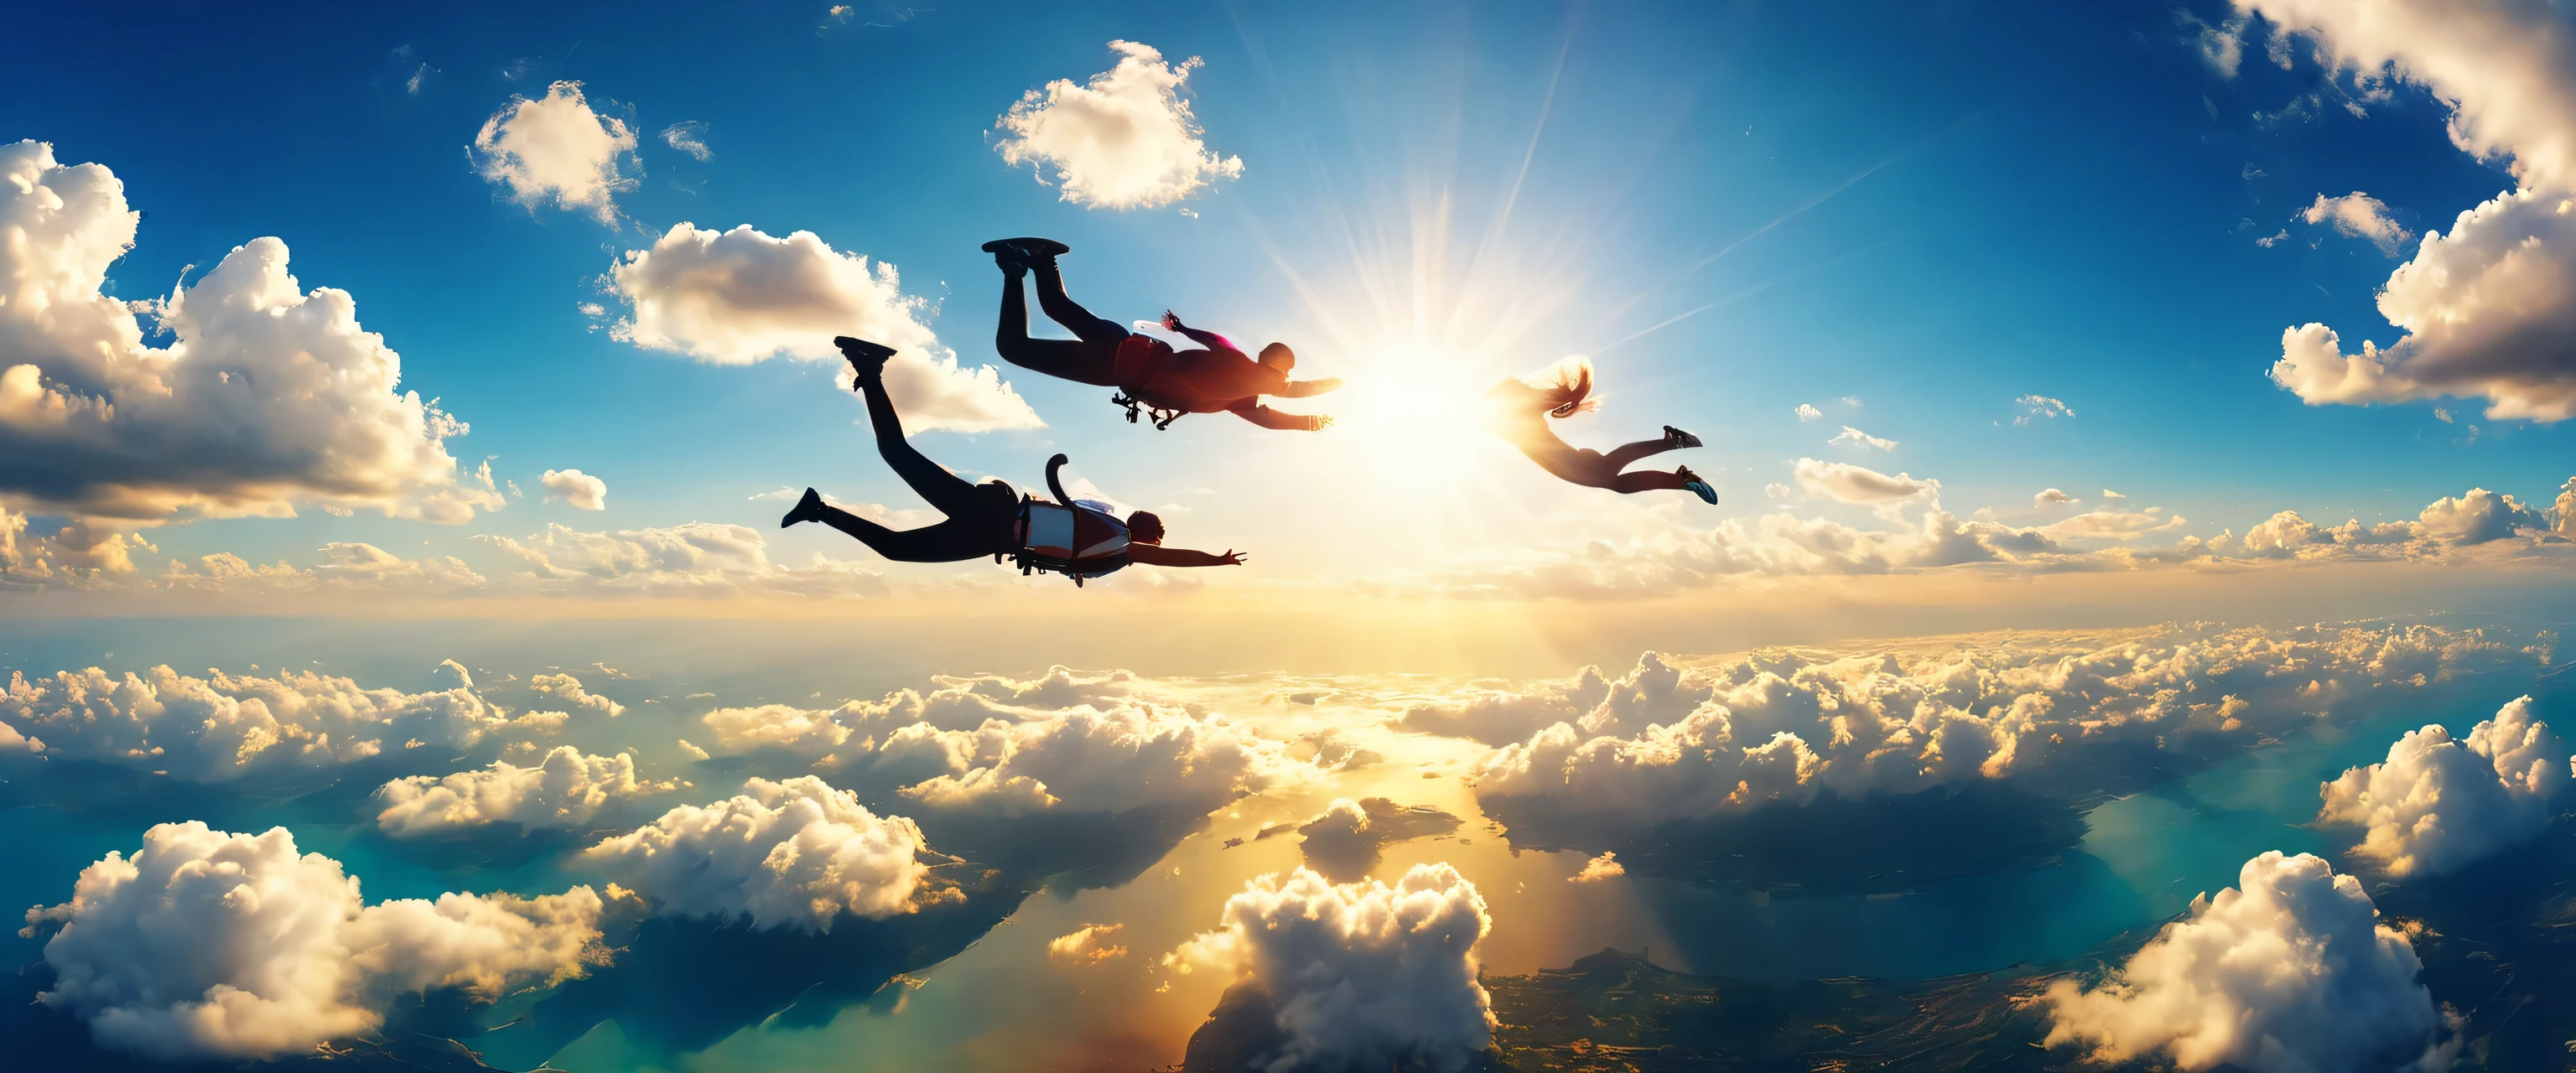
pixel 1028 252
pixel 808 509
pixel 1674 437
pixel 866 359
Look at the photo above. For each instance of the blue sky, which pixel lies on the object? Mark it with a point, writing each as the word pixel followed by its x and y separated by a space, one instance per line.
pixel 2058 202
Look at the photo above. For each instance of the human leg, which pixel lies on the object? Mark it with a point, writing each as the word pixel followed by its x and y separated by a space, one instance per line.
pixel 1079 360
pixel 1062 309
pixel 1619 457
pixel 954 540
pixel 1648 480
pixel 950 493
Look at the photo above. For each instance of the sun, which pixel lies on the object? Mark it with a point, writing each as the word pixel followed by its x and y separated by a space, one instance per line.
pixel 1417 409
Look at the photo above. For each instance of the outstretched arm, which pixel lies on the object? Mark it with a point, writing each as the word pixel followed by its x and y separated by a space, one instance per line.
pixel 1208 339
pixel 1158 555
pixel 1252 410
pixel 1298 389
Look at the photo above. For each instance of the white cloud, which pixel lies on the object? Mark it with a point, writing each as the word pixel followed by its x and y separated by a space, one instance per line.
pixel 1858 438
pixel 1363 975
pixel 223 726
pixel 698 559
pixel 2037 407
pixel 1846 483
pixel 1088 759
pixel 2436 804
pixel 2563 513
pixel 741 296
pixel 796 853
pixel 1086 946
pixel 690 138
pixel 1665 742
pixel 563 791
pixel 2359 215
pixel 1125 141
pixel 1806 412
pixel 1601 869
pixel 207 944
pixel 2489 310
pixel 2050 497
pixel 266 397
pixel 2288 972
pixel 575 487
pixel 568 689
pixel 1055 743
pixel 556 150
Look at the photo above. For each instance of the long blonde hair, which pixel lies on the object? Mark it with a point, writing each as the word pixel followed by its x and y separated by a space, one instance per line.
pixel 1567 385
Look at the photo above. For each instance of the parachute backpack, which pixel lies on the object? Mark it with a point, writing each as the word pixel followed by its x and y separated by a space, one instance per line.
pixel 1078 538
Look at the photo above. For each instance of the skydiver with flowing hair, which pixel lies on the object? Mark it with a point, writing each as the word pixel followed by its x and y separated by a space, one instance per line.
pixel 1148 373
pixel 1078 538
pixel 1525 403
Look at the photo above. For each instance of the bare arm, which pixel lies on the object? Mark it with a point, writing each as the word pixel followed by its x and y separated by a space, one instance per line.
pixel 1158 555
pixel 1298 389
pixel 1252 410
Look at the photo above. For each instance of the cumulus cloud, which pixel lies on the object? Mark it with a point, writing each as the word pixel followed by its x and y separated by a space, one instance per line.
pixel 575 487
pixel 1843 482
pixel 2038 407
pixel 2489 310
pixel 1058 743
pixel 741 296
pixel 1858 438
pixel 212 945
pixel 567 689
pixel 793 853
pixel 1362 975
pixel 1126 140
pixel 224 726
pixel 1601 869
pixel 1086 946
pixel 563 791
pixel 266 397
pixel 698 559
pixel 2359 215
pixel 2436 803
pixel 557 151
pixel 2290 971
pixel 1786 726
pixel 2050 497
pixel 1807 412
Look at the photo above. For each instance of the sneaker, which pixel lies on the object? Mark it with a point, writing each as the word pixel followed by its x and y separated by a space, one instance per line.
pixel 1677 438
pixel 866 359
pixel 808 509
pixel 1697 486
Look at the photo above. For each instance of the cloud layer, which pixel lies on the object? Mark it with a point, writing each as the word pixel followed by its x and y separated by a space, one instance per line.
pixel 1060 743
pixel 1786 725
pixel 2436 803
pixel 266 397
pixel 1363 975
pixel 741 296
pixel 223 726
pixel 208 944
pixel 1126 140
pixel 2290 971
